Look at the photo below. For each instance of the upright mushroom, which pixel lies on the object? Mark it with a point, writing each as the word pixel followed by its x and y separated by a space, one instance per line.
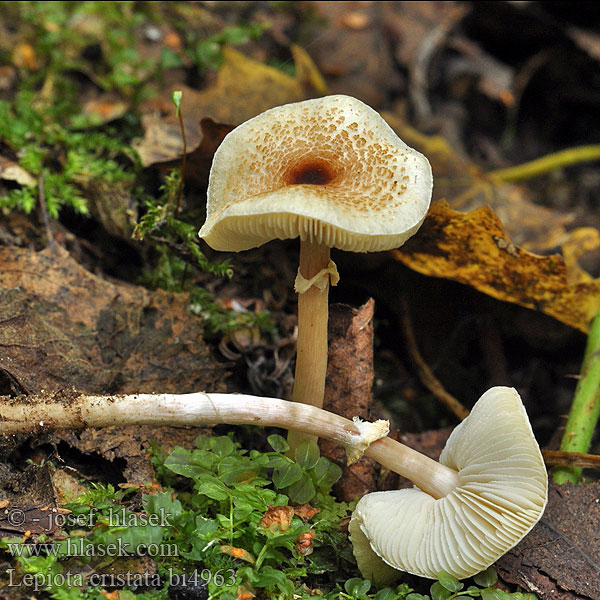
pixel 500 495
pixel 329 171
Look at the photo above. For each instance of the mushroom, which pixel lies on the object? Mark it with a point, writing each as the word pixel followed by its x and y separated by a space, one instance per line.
pixel 500 495
pixel 330 171
pixel 488 490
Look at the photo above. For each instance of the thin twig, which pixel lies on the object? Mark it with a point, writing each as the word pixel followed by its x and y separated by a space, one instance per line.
pixel 579 460
pixel 428 379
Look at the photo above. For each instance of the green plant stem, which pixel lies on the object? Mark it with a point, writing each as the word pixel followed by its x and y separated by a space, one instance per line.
pixel 585 409
pixel 550 162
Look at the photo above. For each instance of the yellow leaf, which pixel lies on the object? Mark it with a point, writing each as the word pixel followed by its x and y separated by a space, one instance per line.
pixel 473 248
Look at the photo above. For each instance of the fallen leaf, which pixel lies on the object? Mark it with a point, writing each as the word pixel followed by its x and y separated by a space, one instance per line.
pixel 68 488
pixel 11 171
pixel 348 390
pixel 8 78
pixel 579 242
pixel 474 249
pixel 560 558
pixel 126 450
pixel 62 327
pixel 24 57
pixel 112 205
pixel 245 592
pixel 307 74
pixel 21 519
pixel 277 518
pixel 306 512
pixel 237 553
pixel 304 543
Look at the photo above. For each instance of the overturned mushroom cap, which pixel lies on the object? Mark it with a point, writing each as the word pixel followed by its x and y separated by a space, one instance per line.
pixel 329 170
pixel 501 495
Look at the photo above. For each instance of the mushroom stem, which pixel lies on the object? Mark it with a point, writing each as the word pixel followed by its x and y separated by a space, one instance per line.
pixel 311 345
pixel 41 413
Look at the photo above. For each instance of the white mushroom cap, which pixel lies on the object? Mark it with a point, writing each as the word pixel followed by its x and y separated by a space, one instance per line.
pixel 501 495
pixel 329 170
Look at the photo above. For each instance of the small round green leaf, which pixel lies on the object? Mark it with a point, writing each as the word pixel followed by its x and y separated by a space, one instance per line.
pixel 356 587
pixel 449 582
pixel 278 443
pixel 494 594
pixel 302 491
pixel 385 594
pixel 486 578
pixel 287 474
pixel 307 454
pixel 439 592
pixel 222 445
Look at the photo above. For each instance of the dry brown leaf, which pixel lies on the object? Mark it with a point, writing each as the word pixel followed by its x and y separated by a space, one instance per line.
pixel 306 511
pixel 349 390
pixel 62 327
pixel 11 171
pixel 304 543
pixel 277 518
pixel 237 553
pixel 125 449
pixel 243 88
pixel 474 249
pixel 560 558
pixel 105 108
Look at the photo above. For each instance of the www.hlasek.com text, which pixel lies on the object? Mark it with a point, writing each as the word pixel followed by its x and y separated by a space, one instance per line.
pixel 79 547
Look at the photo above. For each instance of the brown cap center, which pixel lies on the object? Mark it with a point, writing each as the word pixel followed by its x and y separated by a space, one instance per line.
pixel 310 172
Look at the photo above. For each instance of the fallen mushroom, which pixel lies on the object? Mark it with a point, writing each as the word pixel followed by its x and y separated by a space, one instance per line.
pixel 330 171
pixel 500 495
pixel 488 490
